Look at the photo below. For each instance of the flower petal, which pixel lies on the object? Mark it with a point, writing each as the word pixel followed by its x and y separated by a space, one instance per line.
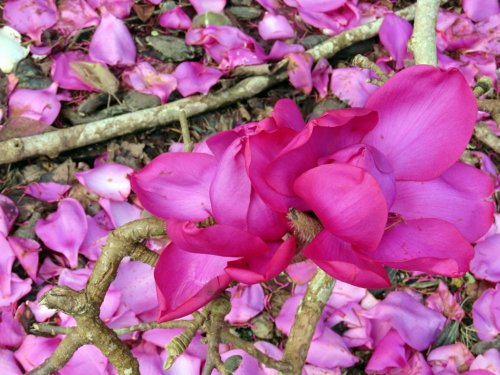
pixel 428 245
pixel 299 71
pixel 394 34
pixel 347 200
pixel 176 185
pixel 193 77
pixel 26 251
pixel 8 214
pixel 478 11
pixel 423 128
pixel 175 19
pixel 486 261
pixel 460 196
pixel 107 180
pixel 203 6
pixel 274 26
pixel 47 191
pixel 198 279
pixel 352 86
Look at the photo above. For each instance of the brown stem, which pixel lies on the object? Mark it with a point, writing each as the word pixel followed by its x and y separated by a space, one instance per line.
pixel 483 346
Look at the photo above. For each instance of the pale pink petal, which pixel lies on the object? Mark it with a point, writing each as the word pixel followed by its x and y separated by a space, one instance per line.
pixel 344 293
pixel 175 19
pixel 39 105
pixel 12 331
pixel 30 17
pixel 112 43
pixel 26 251
pixel 351 85
pixel 478 11
pixel 489 360
pixel 330 351
pixel 193 77
pixel 86 360
pixel 35 350
pixel 64 230
pixel 75 15
pixel 203 6
pixel 249 365
pixel 286 317
pixel 109 181
pixel 428 245
pixel 8 364
pixel 8 215
pixel 301 272
pixel 149 359
pixel 118 8
pixel 199 279
pixel 423 129
pixel 176 185
pixel 394 34
pixel 486 261
pixel 280 49
pixel 47 191
pixel 449 357
pixel 246 302
pixel 185 364
pixel 94 240
pixel 41 312
pixel 144 78
pixel 275 27
pixel 18 289
pixel 120 213
pixel 460 196
pixel 321 77
pixel 299 71
pixel 486 314
pixel 63 74
pixel 406 316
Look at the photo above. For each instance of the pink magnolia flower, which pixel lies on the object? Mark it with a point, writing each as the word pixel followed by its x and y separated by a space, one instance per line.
pixel 39 105
pixel 486 314
pixel 175 19
pixel 395 32
pixel 144 78
pixel 388 191
pixel 30 17
pixel 275 27
pixel 193 77
pixel 112 43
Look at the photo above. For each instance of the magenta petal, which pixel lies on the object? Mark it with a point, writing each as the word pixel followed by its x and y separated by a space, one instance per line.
pixel 339 260
pixel 75 15
pixel 423 129
pixel 26 251
pixel 258 269
pixel 112 43
pixel 390 354
pixel 64 230
pixel 486 261
pixel 351 85
pixel 286 114
pixel 406 315
pixel 274 26
pixel 12 330
pixel 175 19
pixel 7 258
pixel 246 302
pixel 118 8
pixel 427 245
pixel 321 77
pixel 394 34
pixel 280 49
pixel 460 196
pixel 94 240
pixel 47 191
pixel 8 215
pixel 486 314
pixel 198 279
pixel 348 202
pixel 35 350
pixel 176 185
pixel 64 75
pixel 30 17
pixel 40 105
pixel 329 351
pixel 479 10
pixel 120 213
pixel 193 77
pixel 299 71
pixel 8 364
pixel 107 180
pixel 217 239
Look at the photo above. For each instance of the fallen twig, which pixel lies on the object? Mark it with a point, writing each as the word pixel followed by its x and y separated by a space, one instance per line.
pixel 423 40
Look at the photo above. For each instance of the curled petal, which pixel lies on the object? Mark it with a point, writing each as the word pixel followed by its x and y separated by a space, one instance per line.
pixel 423 129
pixel 348 202
pixel 186 281
pixel 64 75
pixel 112 43
pixel 274 26
pixel 107 180
pixel 193 77
pixel 64 230
pixel 427 245
pixel 339 260
pixel 7 258
pixel 120 213
pixel 329 351
pixel 175 19
pixel 395 33
pixel 176 185
pixel 321 77
pixel 13 51
pixel 8 364
pixel 118 8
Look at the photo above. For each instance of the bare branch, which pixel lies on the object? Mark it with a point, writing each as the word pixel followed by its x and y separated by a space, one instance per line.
pixel 423 40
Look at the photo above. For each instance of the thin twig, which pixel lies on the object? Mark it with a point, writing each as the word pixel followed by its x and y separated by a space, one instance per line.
pixel 483 346
pixel 423 40
pixel 186 135
pixel 365 63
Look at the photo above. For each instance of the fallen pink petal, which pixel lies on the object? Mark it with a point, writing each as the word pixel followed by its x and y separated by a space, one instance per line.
pixel 193 77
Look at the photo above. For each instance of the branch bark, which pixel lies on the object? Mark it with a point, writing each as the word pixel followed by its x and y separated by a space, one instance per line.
pixel 423 40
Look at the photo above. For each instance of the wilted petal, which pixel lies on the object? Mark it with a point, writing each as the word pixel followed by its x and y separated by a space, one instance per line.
pixel 203 6
pixel 280 49
pixel 193 77
pixel 144 78
pixel 107 180
pixel 330 351
pixel 47 191
pixel 118 8
pixel 449 357
pixel 394 34
pixel 198 279
pixel 486 314
pixel 299 71
pixel 175 19
pixel 64 230
pixel 176 185
pixel 12 51
pixel 8 364
pixel 479 10
pixel 427 245
pixel 443 301
pixel 352 86
pixel 120 213
pixel 40 105
pixel 63 74
pixel 246 302
pixel 460 196
pixel 406 315
pixel 339 260
pixel 30 17
pixel 112 43
pixel 75 15
pixel 8 215
pixel 348 202
pixel 26 251
pixel 486 261
pixel 321 77
pixel 423 129
pixel 274 26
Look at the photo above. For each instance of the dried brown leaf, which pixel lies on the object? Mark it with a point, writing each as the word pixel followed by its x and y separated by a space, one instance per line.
pixel 96 75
